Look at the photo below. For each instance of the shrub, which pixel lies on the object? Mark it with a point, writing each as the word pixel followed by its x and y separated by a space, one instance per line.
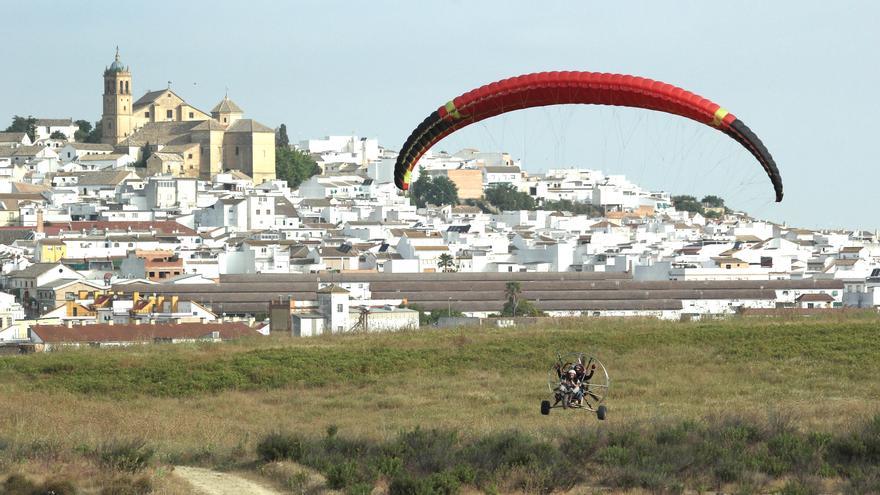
pixel 359 489
pixel 280 446
pixel 404 485
pixel 341 475
pixel 126 455
pixel 17 484
pixel 389 466
pixel 427 451
pixel 56 487
pixel 128 486
pixel 445 483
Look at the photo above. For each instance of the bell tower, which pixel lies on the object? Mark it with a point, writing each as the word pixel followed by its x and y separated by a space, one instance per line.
pixel 116 121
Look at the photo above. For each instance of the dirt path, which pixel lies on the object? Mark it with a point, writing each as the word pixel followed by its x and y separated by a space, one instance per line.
pixel 207 482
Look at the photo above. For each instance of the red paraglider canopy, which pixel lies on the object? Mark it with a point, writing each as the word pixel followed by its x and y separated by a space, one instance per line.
pixel 559 88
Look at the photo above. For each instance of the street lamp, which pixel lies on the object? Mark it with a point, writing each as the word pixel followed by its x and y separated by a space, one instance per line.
pixel 449 306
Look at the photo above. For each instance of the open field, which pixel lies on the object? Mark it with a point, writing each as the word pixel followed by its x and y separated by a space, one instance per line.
pixel 212 404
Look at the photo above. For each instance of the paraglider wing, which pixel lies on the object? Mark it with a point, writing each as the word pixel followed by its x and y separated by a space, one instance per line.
pixel 559 88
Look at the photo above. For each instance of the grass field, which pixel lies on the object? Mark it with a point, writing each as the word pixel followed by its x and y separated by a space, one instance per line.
pixel 212 404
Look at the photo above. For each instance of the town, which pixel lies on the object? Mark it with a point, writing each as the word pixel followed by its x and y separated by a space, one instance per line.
pixel 166 223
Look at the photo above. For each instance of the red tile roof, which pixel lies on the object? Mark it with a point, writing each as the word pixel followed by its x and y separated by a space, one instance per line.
pixel 162 226
pixel 140 333
pixel 819 297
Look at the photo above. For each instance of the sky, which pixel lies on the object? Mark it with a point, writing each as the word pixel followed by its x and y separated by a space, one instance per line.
pixel 802 74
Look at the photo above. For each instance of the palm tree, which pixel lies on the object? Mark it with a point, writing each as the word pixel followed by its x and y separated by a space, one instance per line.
pixel 446 263
pixel 512 291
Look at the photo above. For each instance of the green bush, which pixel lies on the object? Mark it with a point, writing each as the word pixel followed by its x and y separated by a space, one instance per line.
pixel 427 451
pixel 359 489
pixel 280 446
pixel 17 484
pixel 445 483
pixel 128 486
pixel 404 485
pixel 125 455
pixel 342 475
pixel 389 466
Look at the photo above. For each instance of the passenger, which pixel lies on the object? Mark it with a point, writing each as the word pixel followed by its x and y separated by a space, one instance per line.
pixel 574 385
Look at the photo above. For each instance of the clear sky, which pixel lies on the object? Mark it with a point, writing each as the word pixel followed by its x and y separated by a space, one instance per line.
pixel 802 74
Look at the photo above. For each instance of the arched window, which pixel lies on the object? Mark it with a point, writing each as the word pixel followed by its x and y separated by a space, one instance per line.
pixel 126 87
pixel 120 87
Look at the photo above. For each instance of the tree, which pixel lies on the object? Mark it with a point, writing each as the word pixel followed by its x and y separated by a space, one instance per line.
pixel 516 305
pixel 145 154
pixel 294 166
pixel 24 124
pixel 437 191
pixel 512 291
pixel 712 201
pixel 687 203
pixel 281 139
pixel 507 198
pixel 419 190
pixel 574 207
pixel 82 134
pixel 96 135
pixel 446 263
pixel 58 135
pixel 430 318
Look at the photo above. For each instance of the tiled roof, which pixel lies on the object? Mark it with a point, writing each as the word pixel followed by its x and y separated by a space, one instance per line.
pixel 54 122
pixel 11 137
pixel 248 125
pixel 162 226
pixel 226 106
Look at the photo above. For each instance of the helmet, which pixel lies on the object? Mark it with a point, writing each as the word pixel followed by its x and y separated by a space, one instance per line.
pixel 571 372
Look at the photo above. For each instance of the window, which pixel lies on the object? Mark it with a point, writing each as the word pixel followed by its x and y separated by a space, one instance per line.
pixel 236 150
pixel 189 156
pixel 191 115
pixel 169 113
pixel 147 114
pixel 339 308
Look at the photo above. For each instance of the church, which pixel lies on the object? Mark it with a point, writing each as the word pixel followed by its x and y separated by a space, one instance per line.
pixel 186 141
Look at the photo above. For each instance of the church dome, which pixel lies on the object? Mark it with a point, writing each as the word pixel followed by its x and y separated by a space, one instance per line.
pixel 117 65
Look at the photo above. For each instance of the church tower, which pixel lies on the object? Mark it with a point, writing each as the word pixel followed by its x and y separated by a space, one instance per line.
pixel 116 121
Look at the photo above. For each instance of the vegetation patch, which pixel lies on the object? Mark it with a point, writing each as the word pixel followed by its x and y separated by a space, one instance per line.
pixel 666 457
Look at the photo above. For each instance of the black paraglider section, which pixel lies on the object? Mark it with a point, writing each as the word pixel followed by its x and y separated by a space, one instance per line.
pixel 744 136
pixel 434 126
pixel 407 152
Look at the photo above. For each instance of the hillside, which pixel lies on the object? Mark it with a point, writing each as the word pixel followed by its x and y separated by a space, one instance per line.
pixel 213 404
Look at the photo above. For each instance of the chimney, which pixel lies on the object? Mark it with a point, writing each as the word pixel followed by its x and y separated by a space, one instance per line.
pixel 39 220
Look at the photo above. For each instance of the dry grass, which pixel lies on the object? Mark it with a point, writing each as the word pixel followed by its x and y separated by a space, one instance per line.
pixel 211 404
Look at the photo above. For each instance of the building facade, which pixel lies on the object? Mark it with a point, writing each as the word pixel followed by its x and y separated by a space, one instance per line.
pixel 162 121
